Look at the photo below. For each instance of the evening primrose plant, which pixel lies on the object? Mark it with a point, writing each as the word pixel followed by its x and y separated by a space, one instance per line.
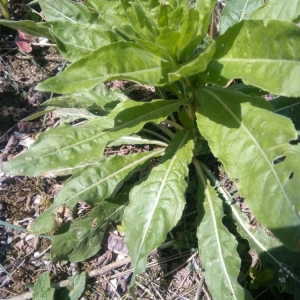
pixel 208 96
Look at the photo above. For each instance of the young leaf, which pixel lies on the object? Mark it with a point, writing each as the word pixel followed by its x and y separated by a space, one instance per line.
pixel 80 145
pixel 75 40
pixel 140 19
pixel 112 15
pixel 266 57
pixel 190 38
pixel 156 204
pixel 196 65
pixel 277 10
pixel 254 145
pixel 217 246
pixel 236 11
pixel 42 289
pixel 136 64
pixel 66 10
pixel 81 238
pixel 205 9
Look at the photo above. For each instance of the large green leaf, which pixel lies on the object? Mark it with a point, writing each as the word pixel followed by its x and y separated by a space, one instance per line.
pixel 62 148
pixel 236 11
pixel 81 238
pixel 254 145
pixel 30 27
pixel 278 10
pixel 217 246
pixel 136 64
pixel 75 40
pixel 266 57
pixel 156 204
pixel 79 145
pixel 66 10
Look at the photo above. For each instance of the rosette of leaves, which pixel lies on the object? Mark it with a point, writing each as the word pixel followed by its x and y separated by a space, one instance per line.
pixel 209 91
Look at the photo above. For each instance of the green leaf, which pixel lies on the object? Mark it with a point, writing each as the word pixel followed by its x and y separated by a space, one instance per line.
pixel 190 38
pixel 288 107
pixel 66 10
pixel 30 27
pixel 217 246
pixel 75 40
pixel 72 146
pixel 169 40
pixel 165 9
pixel 136 64
pixel 156 204
pixel 254 145
pixel 196 65
pixel 76 285
pixel 42 289
pixel 113 15
pixel 69 115
pixel 102 179
pixel 81 238
pixel 278 10
pixel 102 99
pixel 81 144
pixel 236 11
pixel 266 57
pixel 92 184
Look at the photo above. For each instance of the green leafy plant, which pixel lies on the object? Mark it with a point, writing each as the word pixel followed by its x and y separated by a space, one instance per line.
pixel 165 44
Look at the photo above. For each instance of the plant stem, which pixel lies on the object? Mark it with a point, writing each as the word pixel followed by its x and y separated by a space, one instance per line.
pixel 157 135
pixel 174 124
pixel 165 130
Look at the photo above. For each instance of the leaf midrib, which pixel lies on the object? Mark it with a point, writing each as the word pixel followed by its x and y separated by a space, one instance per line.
pixel 213 216
pixel 254 60
pixel 162 186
